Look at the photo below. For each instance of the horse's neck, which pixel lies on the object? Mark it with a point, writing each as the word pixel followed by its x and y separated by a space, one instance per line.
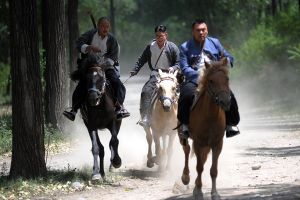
pixel 206 105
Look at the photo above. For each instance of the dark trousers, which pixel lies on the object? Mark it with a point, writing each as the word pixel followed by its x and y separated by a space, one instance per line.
pixel 119 90
pixel 185 102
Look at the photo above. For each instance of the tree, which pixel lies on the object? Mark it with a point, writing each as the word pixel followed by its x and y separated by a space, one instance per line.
pixel 27 117
pixel 73 35
pixel 55 73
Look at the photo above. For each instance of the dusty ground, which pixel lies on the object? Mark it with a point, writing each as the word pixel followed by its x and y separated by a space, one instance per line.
pixel 261 163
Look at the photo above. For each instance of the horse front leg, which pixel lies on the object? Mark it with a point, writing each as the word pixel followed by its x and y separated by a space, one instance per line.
pixel 115 159
pixel 201 154
pixel 149 138
pixel 216 151
pixel 185 178
pixel 95 151
pixel 157 157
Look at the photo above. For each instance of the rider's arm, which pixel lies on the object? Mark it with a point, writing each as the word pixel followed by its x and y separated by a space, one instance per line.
pixel 142 59
pixel 112 49
pixel 186 69
pixel 224 52
pixel 175 56
pixel 84 41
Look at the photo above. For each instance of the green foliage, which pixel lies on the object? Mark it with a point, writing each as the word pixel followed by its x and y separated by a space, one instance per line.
pixel 4 80
pixel 294 52
pixel 5 134
pixel 56 183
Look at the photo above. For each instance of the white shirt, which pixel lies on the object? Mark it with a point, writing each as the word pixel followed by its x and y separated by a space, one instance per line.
pixel 97 41
pixel 163 62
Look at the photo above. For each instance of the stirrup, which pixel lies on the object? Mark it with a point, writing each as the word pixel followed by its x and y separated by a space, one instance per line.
pixel 122 113
pixel 231 132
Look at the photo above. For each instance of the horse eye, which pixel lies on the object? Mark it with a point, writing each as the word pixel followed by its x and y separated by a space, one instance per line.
pixel 211 81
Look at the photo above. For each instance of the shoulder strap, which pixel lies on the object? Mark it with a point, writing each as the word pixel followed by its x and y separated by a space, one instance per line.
pixel 159 55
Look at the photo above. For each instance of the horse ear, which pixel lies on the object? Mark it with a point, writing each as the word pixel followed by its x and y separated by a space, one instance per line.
pixel 159 72
pixel 224 61
pixel 176 72
pixel 207 65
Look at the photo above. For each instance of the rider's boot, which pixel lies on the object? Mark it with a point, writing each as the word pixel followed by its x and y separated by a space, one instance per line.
pixel 70 114
pixel 145 122
pixel 121 112
pixel 232 131
pixel 185 132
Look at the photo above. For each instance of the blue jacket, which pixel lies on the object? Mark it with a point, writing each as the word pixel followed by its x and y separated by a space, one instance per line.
pixel 190 50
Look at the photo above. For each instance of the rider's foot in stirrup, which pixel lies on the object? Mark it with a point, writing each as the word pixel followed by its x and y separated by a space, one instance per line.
pixel 232 131
pixel 70 114
pixel 121 112
pixel 184 133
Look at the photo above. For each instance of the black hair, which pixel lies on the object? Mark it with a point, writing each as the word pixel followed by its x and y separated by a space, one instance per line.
pixel 198 21
pixel 160 28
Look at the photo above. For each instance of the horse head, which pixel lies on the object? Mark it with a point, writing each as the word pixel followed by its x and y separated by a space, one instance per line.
pixel 167 86
pixel 96 82
pixel 216 82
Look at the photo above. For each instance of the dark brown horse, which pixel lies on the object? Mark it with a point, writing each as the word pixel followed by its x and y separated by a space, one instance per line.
pixel 208 123
pixel 98 112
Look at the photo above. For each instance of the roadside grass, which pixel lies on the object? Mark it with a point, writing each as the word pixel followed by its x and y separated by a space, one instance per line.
pixel 55 184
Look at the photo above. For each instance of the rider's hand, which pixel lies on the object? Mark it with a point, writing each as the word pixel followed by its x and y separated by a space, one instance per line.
pixel 133 73
pixel 92 48
pixel 171 70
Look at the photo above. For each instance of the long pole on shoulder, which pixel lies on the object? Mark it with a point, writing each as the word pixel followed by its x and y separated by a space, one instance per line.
pixel 92 18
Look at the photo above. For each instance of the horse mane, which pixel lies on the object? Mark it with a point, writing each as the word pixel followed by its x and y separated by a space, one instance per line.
pixel 210 69
pixel 83 66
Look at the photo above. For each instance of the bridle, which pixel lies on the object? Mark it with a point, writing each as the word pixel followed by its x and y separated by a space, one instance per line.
pixel 162 98
pixel 215 95
pixel 94 88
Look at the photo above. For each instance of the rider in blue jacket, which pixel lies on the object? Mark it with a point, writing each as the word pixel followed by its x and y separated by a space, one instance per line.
pixel 193 53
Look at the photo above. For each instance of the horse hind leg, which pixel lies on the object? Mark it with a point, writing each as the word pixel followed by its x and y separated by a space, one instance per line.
pixel 170 150
pixel 216 151
pixel 95 150
pixel 201 154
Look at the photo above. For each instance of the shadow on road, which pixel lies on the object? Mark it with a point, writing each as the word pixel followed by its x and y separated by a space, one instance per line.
pixel 274 151
pixel 269 192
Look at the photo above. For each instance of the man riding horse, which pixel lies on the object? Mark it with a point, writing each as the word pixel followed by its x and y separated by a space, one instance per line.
pixel 160 54
pixel 104 46
pixel 193 54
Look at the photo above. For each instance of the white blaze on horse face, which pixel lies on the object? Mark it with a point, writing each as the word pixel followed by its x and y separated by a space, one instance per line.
pixel 95 73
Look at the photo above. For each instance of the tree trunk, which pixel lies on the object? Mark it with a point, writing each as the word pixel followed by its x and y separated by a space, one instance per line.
pixel 55 74
pixel 73 35
pixel 27 116
pixel 274 7
pixel 112 17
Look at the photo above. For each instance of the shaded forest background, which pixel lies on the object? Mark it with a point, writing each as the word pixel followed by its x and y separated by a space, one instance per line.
pixel 262 35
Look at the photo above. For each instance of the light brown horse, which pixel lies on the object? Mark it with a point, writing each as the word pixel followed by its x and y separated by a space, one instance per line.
pixel 163 120
pixel 207 124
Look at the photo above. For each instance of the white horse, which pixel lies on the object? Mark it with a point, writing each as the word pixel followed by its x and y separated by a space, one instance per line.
pixel 163 120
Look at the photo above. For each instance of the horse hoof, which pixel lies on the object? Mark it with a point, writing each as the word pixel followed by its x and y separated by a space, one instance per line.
pixel 150 164
pixel 116 162
pixel 155 159
pixel 96 177
pixel 185 179
pixel 215 196
pixel 198 194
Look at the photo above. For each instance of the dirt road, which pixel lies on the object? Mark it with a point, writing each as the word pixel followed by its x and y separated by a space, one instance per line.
pixel 261 163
